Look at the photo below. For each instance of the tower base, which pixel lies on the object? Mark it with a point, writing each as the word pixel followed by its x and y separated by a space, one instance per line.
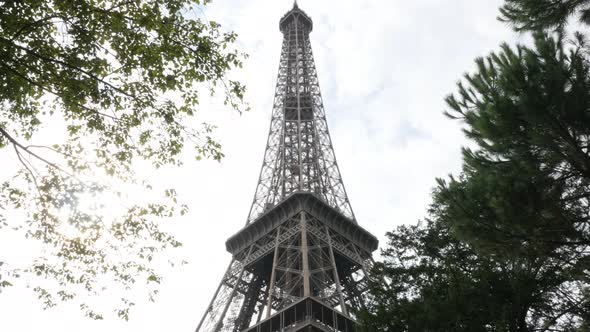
pixel 307 315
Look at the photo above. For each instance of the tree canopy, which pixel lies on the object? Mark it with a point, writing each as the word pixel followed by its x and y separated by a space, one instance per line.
pixel 88 88
pixel 506 245
pixel 534 15
pixel 439 283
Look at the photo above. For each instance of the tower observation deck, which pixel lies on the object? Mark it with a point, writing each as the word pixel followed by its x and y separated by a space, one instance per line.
pixel 300 263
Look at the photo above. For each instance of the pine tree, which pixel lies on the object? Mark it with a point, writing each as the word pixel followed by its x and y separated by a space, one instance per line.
pixel 506 247
pixel 535 15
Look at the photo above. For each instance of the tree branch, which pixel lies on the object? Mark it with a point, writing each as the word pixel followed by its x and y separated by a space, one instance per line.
pixel 26 26
pixel 24 148
pixel 46 89
pixel 65 64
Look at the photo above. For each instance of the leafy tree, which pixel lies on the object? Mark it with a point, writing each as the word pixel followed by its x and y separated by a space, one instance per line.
pixel 436 282
pixel 87 89
pixel 508 244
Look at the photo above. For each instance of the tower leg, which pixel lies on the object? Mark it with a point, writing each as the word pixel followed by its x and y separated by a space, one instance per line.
pixel 224 297
pixel 304 257
pixel 210 306
pixel 249 305
pixel 219 324
pixel 273 274
pixel 336 277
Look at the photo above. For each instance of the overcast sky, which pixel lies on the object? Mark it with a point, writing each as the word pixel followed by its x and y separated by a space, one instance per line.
pixel 384 68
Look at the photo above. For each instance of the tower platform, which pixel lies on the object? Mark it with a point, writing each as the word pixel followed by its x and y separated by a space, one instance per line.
pixel 289 207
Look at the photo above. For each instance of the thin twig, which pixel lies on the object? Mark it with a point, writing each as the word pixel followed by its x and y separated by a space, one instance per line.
pixel 33 176
pixel 24 148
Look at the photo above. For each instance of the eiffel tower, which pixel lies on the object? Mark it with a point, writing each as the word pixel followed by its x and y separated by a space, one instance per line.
pixel 301 261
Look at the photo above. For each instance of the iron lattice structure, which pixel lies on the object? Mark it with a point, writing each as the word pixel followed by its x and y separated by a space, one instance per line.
pixel 301 261
pixel 299 155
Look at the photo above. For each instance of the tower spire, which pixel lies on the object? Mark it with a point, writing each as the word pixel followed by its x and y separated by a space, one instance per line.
pixel 300 262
